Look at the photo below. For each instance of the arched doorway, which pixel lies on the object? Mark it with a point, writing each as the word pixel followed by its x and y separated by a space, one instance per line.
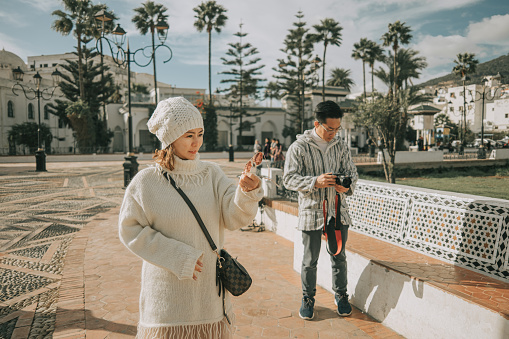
pixel 118 140
pixel 269 131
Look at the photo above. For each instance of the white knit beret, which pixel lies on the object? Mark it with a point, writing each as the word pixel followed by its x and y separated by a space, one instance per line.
pixel 172 118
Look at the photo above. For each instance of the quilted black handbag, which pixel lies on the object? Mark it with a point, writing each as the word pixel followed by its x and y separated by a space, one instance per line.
pixel 231 275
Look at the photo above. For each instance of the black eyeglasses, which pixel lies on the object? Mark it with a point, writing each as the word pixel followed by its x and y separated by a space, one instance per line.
pixel 330 130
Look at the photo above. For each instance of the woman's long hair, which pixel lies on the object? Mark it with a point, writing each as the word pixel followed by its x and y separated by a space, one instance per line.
pixel 165 157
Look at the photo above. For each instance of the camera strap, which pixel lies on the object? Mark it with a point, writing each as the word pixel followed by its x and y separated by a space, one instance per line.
pixel 331 230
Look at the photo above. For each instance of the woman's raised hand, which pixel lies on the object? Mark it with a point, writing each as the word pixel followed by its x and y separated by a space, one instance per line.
pixel 249 182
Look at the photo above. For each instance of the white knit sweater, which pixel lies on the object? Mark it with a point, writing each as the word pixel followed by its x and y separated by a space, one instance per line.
pixel 156 224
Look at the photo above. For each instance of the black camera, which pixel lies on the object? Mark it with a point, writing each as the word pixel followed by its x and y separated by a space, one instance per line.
pixel 343 180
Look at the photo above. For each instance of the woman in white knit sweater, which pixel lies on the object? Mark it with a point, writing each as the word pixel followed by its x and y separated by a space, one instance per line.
pixel 179 297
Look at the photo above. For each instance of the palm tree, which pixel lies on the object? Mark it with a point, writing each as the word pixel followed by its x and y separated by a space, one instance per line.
pixel 79 19
pixel 147 17
pixel 328 32
pixel 373 53
pixel 465 64
pixel 210 15
pixel 409 65
pixel 398 34
pixel 340 77
pixel 359 52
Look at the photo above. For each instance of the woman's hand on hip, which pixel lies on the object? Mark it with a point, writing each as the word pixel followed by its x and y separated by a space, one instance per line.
pixel 198 267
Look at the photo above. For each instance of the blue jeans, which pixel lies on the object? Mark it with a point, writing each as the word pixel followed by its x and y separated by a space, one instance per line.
pixel 312 241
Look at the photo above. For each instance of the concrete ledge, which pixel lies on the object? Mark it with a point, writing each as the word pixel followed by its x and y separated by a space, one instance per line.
pixel 413 157
pixel 499 154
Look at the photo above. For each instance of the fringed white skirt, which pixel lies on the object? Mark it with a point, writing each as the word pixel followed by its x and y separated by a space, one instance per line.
pixel 217 330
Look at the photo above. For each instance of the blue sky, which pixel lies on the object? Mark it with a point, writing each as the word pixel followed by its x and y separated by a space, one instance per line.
pixel 441 29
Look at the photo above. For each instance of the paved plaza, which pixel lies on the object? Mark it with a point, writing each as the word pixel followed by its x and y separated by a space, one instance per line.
pixel 64 273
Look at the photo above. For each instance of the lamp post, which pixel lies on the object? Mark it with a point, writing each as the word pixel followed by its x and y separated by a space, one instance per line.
pixel 124 58
pixel 464 127
pixel 31 93
pixel 481 152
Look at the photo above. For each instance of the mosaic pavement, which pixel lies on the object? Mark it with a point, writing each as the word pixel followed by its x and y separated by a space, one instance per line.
pixel 40 214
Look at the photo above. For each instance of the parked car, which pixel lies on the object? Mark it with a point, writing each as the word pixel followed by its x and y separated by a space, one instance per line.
pixel 493 143
pixel 455 143
pixel 503 143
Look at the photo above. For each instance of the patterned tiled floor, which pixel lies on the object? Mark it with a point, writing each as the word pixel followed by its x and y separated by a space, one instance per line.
pixel 40 214
pixel 70 214
pixel 66 215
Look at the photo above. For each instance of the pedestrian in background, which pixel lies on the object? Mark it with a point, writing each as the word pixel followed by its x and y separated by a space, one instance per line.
pixel 266 149
pixel 257 147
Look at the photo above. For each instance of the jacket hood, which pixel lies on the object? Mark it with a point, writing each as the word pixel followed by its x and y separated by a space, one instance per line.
pixel 307 138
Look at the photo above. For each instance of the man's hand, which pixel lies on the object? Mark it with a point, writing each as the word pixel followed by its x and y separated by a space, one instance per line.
pixel 325 180
pixel 341 189
pixel 329 180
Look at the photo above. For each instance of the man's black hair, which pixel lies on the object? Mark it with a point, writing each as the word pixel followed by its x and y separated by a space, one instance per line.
pixel 327 110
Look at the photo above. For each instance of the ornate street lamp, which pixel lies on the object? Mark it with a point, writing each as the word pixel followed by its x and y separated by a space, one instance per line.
pixel 31 93
pixel 484 95
pixel 464 120
pixel 124 58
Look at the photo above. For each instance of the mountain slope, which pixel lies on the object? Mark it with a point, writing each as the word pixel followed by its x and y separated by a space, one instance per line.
pixel 492 67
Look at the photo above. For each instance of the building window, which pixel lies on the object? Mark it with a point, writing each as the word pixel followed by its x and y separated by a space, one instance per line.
pixel 460 108
pixel 451 109
pixel 46 112
pixel 506 115
pixel 10 109
pixel 60 123
pixel 30 111
pixel 453 95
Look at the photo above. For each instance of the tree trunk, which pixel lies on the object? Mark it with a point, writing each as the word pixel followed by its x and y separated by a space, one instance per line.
pixel 80 68
pixel 373 81
pixel 241 112
pixel 323 72
pixel 395 74
pixel 364 77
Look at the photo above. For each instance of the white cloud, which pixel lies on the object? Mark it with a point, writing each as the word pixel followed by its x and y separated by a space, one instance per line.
pixel 494 30
pixel 43 5
pixel 440 50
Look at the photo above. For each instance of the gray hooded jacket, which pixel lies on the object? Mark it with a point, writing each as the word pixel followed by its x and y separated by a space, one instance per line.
pixel 305 161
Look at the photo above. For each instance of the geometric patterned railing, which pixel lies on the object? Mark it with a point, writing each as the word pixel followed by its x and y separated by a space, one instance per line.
pixel 469 231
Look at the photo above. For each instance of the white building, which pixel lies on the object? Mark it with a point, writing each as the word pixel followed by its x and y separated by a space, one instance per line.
pixel 17 109
pixel 355 137
pixel 496 105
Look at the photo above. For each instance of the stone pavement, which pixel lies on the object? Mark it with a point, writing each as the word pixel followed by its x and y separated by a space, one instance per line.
pixel 65 274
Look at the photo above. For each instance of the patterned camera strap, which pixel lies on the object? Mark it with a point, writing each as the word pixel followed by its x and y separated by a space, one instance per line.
pixel 332 234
